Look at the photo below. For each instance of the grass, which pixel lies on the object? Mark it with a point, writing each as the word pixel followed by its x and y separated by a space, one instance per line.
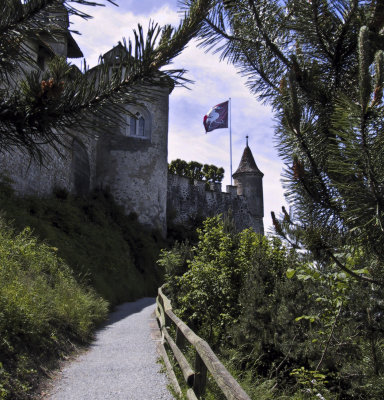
pixel 63 262
pixel 43 310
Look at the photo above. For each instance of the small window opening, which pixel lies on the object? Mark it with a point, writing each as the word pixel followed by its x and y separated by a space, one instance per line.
pixel 43 56
pixel 141 131
pixel 133 126
pixel 137 126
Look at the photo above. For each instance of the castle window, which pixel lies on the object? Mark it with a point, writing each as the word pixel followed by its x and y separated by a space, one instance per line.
pixel 141 126
pixel 137 126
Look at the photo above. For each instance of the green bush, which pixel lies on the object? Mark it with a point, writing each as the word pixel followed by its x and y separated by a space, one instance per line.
pixel 42 310
pixel 285 327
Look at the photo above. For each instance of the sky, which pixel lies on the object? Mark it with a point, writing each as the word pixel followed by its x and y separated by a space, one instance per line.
pixel 214 82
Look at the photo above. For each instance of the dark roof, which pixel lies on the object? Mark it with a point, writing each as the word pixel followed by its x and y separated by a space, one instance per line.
pixel 73 48
pixel 119 54
pixel 116 55
pixel 247 164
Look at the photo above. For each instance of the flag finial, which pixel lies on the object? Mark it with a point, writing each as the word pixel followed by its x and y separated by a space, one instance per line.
pixel 246 138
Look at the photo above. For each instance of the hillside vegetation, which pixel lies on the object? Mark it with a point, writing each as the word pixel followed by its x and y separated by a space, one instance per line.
pixel 63 261
pixel 286 327
pixel 42 310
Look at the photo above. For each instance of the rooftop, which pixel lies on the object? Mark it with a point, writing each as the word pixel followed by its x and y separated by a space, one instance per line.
pixel 247 164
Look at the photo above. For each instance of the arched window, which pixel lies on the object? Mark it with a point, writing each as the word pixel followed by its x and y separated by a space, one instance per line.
pixel 141 131
pixel 137 126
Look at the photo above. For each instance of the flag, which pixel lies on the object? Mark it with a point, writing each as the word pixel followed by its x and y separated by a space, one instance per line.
pixel 216 118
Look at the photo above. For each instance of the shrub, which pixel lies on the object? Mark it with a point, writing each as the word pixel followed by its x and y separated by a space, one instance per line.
pixel 43 310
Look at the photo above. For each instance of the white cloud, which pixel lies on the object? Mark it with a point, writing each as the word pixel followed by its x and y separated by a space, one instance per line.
pixel 214 82
pixel 109 26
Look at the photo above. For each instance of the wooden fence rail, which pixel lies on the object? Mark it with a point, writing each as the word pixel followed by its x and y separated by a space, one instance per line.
pixel 205 358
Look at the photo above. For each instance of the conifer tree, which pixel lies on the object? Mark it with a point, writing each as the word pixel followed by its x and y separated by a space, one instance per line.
pixel 41 106
pixel 320 65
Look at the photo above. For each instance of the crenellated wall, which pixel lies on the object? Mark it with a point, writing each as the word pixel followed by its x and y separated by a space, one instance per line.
pixel 187 201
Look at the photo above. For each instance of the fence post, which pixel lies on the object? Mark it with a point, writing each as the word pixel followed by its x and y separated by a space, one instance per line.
pixel 200 376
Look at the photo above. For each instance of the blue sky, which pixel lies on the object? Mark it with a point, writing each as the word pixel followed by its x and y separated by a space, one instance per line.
pixel 214 83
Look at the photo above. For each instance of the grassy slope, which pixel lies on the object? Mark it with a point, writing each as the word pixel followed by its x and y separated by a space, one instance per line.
pixel 47 290
pixel 43 310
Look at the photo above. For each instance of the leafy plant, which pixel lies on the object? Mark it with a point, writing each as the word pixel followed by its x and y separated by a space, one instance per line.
pixel 43 310
pixel 196 171
pixel 276 316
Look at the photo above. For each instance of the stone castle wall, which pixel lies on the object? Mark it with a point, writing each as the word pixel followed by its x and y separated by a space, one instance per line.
pixel 135 168
pixel 188 201
pixel 73 169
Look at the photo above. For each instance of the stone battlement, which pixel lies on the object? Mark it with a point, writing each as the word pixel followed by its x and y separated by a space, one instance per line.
pixel 188 201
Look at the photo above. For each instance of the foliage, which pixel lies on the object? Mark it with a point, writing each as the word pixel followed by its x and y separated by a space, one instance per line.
pixel 208 293
pixel 346 329
pixel 35 105
pixel 285 326
pixel 320 65
pixel 213 173
pixel 42 307
pixel 196 171
pixel 174 264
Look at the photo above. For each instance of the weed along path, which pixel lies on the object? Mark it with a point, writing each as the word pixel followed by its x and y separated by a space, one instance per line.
pixel 121 364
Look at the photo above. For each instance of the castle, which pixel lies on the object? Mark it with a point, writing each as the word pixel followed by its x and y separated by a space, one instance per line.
pixel 131 162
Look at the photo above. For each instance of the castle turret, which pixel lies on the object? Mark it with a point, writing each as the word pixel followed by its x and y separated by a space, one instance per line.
pixel 249 181
pixel 132 159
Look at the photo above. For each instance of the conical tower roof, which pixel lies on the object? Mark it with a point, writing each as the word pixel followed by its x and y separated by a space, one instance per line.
pixel 247 164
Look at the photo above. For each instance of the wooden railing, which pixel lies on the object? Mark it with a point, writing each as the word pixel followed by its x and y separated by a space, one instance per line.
pixel 205 358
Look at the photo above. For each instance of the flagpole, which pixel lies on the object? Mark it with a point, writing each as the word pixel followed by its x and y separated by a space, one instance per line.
pixel 230 134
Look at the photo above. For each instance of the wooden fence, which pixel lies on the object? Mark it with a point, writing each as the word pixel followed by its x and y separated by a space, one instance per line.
pixel 205 358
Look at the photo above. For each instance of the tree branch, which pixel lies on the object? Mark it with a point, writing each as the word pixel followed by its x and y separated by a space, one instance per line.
pixel 350 272
pixel 274 48
pixel 329 339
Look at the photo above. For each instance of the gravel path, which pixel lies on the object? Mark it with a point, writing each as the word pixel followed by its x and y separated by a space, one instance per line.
pixel 121 363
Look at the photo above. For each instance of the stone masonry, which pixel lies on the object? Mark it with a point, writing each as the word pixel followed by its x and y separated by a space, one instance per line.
pixel 130 160
pixel 188 201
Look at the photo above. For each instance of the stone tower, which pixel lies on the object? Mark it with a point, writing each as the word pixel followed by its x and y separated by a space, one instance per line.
pixel 132 158
pixel 249 181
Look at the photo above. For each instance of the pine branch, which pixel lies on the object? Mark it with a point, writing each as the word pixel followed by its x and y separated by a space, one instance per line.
pixel 340 46
pixel 350 272
pixel 56 104
pixel 323 46
pixel 275 49
pixel 329 339
pixel 377 18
